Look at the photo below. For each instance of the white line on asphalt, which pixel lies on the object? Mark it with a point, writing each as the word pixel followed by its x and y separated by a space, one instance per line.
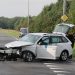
pixel 51 66
pixel 55 68
pixel 48 63
pixel 60 74
pixel 61 71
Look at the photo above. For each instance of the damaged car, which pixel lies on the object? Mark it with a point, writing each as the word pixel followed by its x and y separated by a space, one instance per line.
pixel 42 46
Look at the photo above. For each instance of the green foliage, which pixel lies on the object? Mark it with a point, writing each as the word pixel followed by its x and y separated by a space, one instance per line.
pixel 45 21
pixel 72 12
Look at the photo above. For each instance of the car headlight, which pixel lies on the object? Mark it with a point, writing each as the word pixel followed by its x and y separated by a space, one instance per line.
pixel 8 50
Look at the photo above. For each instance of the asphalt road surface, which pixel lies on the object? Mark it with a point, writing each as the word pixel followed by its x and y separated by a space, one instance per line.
pixel 37 67
pixel 5 39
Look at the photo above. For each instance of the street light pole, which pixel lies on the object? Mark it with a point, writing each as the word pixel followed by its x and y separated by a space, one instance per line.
pixel 64 7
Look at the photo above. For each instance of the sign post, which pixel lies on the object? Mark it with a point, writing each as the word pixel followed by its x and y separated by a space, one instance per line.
pixel 64 7
pixel 64 17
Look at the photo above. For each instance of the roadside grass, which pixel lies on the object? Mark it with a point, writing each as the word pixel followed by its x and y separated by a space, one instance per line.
pixel 12 33
pixel 74 51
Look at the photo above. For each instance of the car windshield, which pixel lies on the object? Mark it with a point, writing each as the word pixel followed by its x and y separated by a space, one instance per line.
pixel 61 28
pixel 30 38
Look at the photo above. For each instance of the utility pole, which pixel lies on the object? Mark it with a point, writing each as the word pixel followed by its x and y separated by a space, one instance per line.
pixel 28 14
pixel 64 17
pixel 64 7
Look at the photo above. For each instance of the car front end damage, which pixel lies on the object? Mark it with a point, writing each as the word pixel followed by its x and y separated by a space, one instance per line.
pixel 9 53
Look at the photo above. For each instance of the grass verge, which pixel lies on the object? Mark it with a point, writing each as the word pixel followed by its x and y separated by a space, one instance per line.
pixel 74 51
pixel 13 33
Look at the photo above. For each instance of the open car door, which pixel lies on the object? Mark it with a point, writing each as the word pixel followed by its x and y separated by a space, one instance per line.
pixel 67 30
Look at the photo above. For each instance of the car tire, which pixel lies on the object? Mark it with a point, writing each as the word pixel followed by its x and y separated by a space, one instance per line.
pixel 28 56
pixel 64 56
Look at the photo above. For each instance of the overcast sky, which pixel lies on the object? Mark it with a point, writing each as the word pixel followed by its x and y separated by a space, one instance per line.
pixel 12 8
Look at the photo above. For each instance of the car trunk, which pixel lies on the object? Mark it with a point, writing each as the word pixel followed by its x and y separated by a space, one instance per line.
pixel 63 28
pixel 67 30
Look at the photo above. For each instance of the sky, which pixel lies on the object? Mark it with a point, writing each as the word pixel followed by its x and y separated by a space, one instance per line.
pixel 13 8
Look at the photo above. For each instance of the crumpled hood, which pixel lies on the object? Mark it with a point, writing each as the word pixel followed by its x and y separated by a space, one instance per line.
pixel 17 44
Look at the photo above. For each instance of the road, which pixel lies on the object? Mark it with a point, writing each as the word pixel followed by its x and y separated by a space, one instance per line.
pixel 5 39
pixel 37 67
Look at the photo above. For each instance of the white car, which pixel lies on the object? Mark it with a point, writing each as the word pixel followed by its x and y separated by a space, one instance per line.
pixel 67 30
pixel 43 46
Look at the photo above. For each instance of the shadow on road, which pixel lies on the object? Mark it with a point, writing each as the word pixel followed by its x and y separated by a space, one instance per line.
pixel 43 61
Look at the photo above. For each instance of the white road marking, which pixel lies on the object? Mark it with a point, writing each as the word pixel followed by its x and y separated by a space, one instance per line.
pixel 48 63
pixel 61 72
pixel 55 68
pixel 51 66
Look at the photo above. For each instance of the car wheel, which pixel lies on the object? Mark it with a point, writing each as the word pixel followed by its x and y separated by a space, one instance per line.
pixel 64 56
pixel 28 56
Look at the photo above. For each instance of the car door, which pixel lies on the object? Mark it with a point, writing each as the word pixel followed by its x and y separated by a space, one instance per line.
pixel 61 43
pixel 57 41
pixel 44 49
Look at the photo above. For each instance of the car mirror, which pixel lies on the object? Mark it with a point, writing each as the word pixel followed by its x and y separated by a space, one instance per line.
pixel 39 43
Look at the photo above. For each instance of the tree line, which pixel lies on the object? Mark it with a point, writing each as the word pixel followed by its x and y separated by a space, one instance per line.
pixel 45 21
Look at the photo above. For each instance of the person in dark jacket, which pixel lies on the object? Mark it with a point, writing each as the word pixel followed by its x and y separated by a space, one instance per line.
pixel 71 38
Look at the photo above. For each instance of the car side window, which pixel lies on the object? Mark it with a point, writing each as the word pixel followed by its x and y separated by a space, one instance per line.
pixel 64 39
pixel 56 39
pixel 44 40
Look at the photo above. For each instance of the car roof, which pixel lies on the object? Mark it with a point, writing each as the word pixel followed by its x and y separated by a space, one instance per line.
pixel 41 34
pixel 70 25
pixel 46 34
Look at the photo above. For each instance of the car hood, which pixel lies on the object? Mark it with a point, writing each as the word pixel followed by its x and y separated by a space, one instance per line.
pixel 17 44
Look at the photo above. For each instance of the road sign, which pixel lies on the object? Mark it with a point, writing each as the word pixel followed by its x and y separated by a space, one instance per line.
pixel 64 17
